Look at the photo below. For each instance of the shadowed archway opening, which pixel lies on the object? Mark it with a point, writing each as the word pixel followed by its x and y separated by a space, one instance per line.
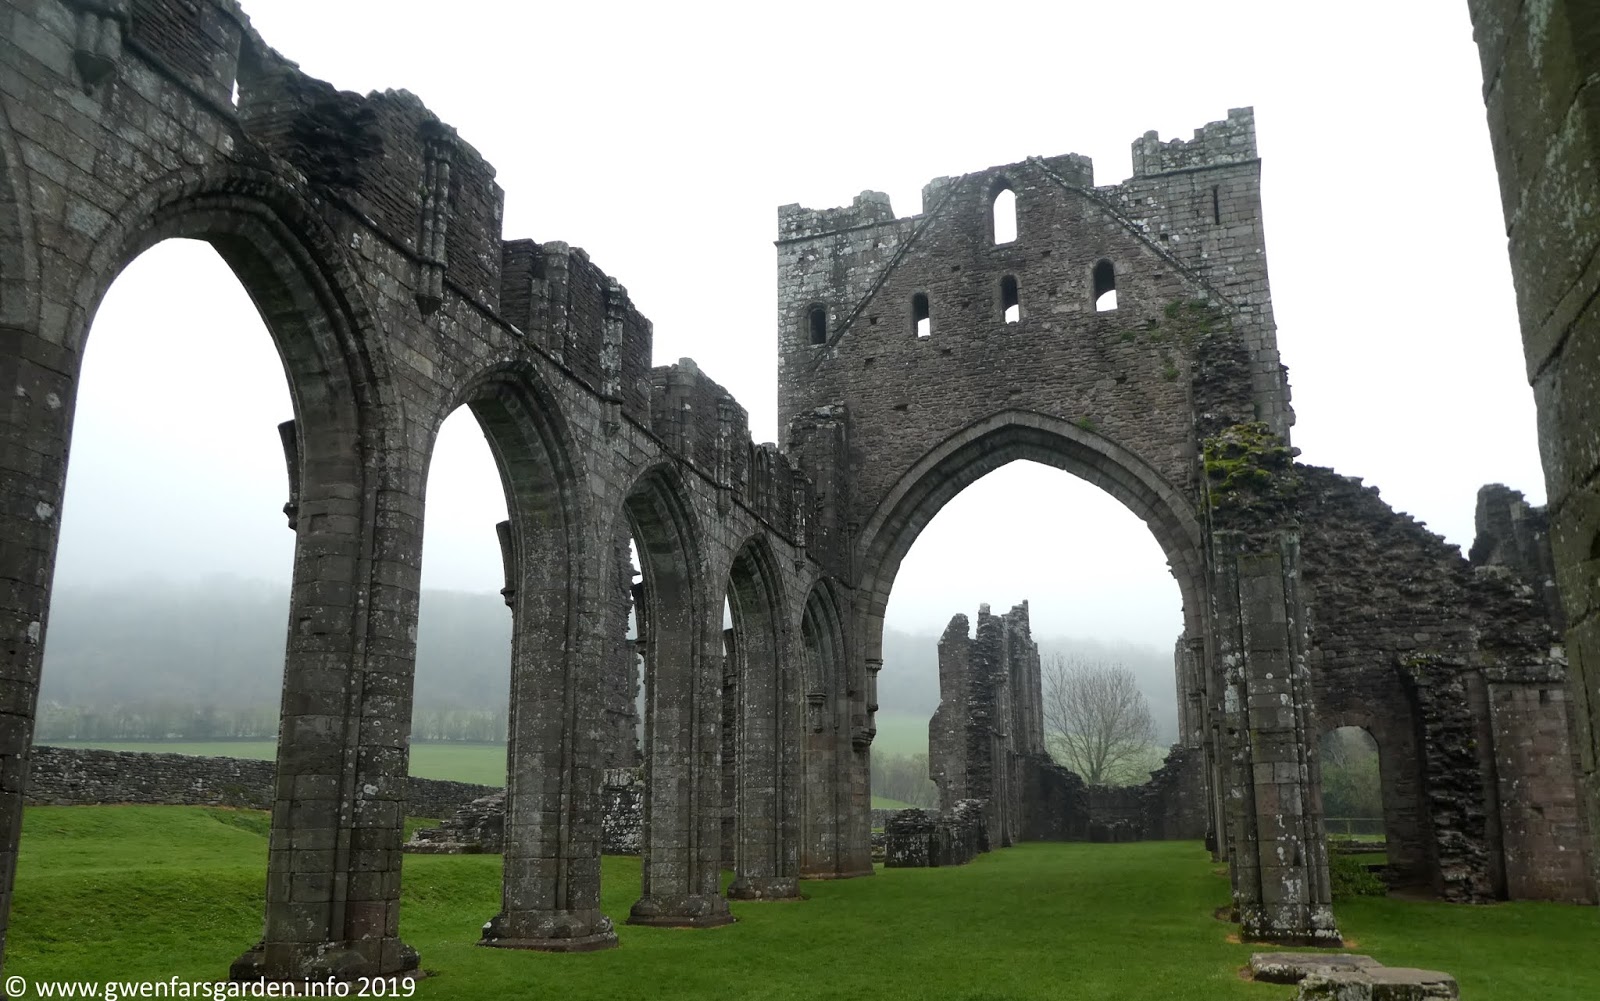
pixel 760 754
pixel 681 843
pixel 828 795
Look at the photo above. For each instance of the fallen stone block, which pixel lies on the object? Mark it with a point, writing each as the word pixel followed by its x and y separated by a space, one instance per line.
pixel 1377 983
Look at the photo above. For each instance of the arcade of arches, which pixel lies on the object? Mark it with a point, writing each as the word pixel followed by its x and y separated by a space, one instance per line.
pixel 915 354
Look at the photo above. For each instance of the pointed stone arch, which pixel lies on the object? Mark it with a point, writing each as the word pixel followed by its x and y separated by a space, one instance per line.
pixel 682 826
pixel 767 707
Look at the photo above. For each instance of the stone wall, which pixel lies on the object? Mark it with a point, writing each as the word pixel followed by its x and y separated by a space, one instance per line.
pixel 72 776
pixel 1540 63
pixel 1057 805
pixel 1447 663
pixel 990 715
pixel 479 826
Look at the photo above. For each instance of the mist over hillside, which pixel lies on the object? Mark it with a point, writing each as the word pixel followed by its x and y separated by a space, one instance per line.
pixel 183 650
pixel 218 644
pixel 909 681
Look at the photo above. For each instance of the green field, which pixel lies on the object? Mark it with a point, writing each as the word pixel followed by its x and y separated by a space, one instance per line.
pixel 899 733
pixel 484 764
pixel 146 893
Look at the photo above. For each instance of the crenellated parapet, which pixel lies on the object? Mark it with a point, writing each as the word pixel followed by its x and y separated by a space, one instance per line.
pixel 1232 140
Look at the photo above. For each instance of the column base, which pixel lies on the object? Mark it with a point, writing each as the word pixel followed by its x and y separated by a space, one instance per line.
pixel 851 874
pixel 559 931
pixel 339 961
pixel 762 888
pixel 1257 924
pixel 695 911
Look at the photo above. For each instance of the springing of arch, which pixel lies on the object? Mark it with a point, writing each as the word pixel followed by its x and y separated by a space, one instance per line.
pixel 1105 286
pixel 766 779
pixel 1002 212
pixel 18 263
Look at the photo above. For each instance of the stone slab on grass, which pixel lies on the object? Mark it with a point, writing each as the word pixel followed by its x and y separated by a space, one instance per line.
pixel 1292 967
pixel 1377 983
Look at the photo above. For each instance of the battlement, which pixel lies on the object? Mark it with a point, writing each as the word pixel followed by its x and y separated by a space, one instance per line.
pixel 1232 140
pixel 866 209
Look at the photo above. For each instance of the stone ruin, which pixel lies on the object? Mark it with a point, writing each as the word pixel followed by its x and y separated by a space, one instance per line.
pixel 986 742
pixel 916 354
pixel 916 838
pixel 479 826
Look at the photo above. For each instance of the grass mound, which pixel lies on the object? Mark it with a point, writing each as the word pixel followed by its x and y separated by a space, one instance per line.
pixel 150 892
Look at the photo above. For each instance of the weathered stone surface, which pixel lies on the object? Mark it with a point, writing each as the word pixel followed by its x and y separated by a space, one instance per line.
pixel 1292 967
pixel 1376 983
pixel 1540 64
pixel 368 232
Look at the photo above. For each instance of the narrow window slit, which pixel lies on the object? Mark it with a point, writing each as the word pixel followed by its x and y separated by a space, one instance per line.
pixel 1105 286
pixel 1010 300
pixel 921 321
pixel 817 323
pixel 1004 208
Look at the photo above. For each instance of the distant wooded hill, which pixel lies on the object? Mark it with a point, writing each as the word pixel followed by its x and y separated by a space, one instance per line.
pixel 153 660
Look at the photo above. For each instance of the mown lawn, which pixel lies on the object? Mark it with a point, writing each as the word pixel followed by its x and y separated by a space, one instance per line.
pixel 899 733
pixel 484 764
pixel 120 893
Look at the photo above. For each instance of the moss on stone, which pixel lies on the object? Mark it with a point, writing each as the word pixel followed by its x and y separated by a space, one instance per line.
pixel 1248 467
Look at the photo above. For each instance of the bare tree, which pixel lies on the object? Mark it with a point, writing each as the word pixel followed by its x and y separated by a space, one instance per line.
pixel 1096 719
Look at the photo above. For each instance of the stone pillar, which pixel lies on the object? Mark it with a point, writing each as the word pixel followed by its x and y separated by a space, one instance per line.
pixel 765 864
pixel 1544 123
pixel 333 873
pixel 1277 848
pixel 550 893
pixel 35 414
pixel 683 788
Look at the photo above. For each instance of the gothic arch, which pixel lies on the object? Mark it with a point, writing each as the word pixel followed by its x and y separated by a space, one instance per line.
pixel 986 445
pixel 346 478
pixel 825 736
pixel 682 716
pixel 766 710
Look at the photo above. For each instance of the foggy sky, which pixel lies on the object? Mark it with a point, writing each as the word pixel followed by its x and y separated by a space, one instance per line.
pixel 662 138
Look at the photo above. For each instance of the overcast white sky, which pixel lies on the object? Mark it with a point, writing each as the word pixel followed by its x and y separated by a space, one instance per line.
pixel 662 138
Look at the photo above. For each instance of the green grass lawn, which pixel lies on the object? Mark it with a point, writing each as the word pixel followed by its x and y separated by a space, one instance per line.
pixel 484 764
pixel 130 893
pixel 899 733
pixel 885 803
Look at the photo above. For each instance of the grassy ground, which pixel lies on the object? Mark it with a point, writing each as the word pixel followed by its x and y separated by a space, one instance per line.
pixel 484 764
pixel 131 893
pixel 900 734
pixel 885 803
